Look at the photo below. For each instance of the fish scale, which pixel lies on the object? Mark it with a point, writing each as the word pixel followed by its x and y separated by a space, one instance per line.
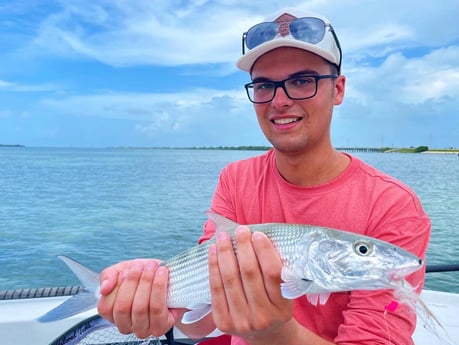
pixel 189 277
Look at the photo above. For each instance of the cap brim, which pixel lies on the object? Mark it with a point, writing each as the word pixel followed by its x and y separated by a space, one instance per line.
pixel 246 61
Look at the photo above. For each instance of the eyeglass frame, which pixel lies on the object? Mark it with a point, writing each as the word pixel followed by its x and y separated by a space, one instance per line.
pixel 281 83
pixel 335 37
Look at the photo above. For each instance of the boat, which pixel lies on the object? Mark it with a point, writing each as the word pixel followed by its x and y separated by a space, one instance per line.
pixel 19 310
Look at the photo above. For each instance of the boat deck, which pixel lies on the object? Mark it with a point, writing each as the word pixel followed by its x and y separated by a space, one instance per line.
pixel 18 325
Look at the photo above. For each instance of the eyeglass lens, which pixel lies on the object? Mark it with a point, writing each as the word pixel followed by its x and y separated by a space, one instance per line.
pixel 261 33
pixel 310 30
pixel 296 88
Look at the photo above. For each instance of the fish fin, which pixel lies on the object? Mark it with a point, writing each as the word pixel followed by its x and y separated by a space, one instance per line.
pixel 318 298
pixel 293 286
pixel 221 223
pixel 196 313
pixel 79 303
pixel 83 301
pixel 89 279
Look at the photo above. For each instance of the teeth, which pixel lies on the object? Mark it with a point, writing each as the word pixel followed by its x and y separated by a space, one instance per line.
pixel 285 121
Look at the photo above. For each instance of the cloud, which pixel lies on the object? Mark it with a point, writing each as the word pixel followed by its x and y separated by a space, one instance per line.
pixel 407 81
pixel 402 101
pixel 146 33
pixel 139 106
pixel 434 78
pixel 15 87
pixel 129 33
pixel 196 117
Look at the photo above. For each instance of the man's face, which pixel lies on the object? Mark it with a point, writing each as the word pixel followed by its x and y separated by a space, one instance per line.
pixel 296 126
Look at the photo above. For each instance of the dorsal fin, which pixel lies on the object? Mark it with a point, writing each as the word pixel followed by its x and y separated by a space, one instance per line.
pixel 221 223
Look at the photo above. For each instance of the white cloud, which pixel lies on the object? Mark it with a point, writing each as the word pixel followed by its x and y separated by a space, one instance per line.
pixel 137 105
pixel 16 87
pixel 200 117
pixel 434 76
pixel 128 33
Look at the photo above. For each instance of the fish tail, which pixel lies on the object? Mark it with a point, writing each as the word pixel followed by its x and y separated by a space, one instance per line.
pixel 83 301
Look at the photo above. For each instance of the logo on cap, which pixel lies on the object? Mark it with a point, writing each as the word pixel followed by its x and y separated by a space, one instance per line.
pixel 284 24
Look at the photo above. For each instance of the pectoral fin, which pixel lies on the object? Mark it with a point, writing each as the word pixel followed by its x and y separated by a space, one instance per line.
pixel 196 313
pixel 293 286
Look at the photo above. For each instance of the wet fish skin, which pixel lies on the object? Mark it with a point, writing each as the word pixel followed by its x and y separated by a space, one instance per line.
pixel 317 261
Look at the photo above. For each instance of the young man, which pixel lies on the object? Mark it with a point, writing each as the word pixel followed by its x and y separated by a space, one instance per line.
pixel 294 61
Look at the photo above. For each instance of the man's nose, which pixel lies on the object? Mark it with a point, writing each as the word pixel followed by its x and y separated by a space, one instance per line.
pixel 281 98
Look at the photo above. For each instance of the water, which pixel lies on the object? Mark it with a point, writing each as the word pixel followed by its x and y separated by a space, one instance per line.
pixel 101 206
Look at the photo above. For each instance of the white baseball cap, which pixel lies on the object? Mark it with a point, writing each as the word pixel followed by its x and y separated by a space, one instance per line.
pixel 291 28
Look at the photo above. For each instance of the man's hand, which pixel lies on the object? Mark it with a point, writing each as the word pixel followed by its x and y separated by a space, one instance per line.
pixel 134 298
pixel 245 288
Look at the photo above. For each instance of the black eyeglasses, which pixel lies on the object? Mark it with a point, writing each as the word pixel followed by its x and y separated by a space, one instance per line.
pixel 307 29
pixel 296 88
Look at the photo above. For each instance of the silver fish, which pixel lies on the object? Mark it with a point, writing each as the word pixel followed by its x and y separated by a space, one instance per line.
pixel 317 261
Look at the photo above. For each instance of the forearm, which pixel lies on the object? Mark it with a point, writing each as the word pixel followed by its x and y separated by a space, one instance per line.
pixel 290 333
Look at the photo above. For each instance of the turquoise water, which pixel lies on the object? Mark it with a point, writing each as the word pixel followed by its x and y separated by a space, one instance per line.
pixel 101 206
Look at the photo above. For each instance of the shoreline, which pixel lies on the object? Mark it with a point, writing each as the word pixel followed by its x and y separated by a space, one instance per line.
pixel 440 152
pixel 423 149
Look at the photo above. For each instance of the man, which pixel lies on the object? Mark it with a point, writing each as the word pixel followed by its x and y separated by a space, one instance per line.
pixel 294 61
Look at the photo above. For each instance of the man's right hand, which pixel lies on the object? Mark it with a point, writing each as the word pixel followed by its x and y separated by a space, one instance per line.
pixel 134 298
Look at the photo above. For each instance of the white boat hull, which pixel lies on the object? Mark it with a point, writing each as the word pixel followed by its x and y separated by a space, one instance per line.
pixel 445 307
pixel 18 325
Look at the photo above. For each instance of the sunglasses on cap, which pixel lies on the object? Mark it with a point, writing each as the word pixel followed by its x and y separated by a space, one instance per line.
pixel 307 29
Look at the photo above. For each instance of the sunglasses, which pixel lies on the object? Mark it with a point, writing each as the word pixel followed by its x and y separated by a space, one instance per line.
pixel 307 29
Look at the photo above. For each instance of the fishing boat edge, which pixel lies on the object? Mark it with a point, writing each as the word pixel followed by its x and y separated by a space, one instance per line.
pixel 18 323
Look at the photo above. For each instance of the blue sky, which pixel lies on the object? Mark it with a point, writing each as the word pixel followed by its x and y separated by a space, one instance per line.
pixel 162 73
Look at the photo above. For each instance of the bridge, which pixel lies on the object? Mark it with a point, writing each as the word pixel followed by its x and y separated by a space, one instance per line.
pixel 359 149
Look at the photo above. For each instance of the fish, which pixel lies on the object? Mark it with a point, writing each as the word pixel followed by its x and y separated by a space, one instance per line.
pixel 317 261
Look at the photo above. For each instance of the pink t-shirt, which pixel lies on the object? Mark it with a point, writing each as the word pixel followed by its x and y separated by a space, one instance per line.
pixel 361 200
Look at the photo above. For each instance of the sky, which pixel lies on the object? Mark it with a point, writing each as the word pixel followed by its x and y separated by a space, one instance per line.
pixel 161 73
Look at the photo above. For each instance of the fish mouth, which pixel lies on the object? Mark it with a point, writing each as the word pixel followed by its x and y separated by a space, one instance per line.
pixel 401 272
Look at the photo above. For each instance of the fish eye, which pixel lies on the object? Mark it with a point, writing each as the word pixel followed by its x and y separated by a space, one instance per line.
pixel 363 248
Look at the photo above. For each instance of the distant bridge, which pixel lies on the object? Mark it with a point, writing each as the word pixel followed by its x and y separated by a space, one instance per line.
pixel 359 149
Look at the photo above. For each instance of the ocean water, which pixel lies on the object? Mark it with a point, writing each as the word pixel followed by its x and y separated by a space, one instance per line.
pixel 101 206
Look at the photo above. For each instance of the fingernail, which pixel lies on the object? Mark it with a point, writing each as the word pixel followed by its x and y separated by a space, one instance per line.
pixel 151 266
pixel 138 267
pixel 161 270
pixel 103 284
pixel 222 236
pixel 258 236
pixel 213 249
pixel 242 229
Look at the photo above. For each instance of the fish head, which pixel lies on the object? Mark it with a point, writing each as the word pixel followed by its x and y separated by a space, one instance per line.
pixel 343 261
